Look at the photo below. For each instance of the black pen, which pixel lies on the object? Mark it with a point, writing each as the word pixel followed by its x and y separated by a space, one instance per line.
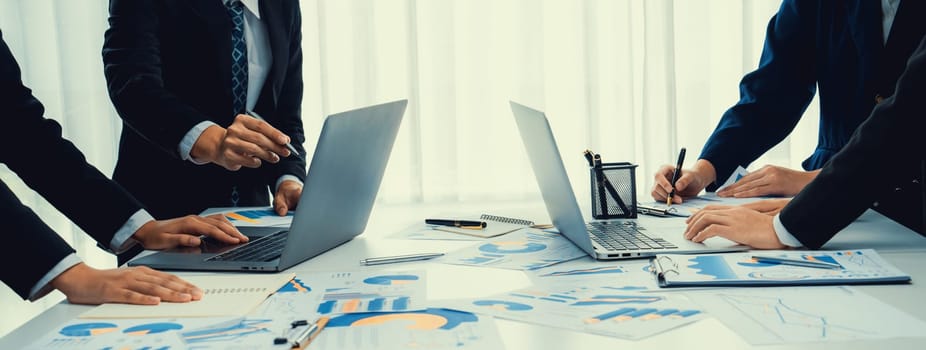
pixel 676 174
pixel 467 224
pixel 288 145
pixel 399 258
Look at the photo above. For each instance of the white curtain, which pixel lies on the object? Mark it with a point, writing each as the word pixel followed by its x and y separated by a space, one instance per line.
pixel 631 79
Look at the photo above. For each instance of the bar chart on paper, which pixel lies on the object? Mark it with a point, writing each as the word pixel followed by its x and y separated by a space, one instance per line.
pixel 370 291
pixel 256 216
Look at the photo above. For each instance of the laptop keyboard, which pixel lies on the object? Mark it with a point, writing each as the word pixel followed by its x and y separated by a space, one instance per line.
pixel 266 248
pixel 625 236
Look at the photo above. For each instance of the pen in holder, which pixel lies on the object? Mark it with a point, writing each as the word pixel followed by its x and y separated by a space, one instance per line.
pixel 613 188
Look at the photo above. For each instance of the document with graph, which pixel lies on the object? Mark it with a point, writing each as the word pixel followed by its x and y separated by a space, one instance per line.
pixel 785 267
pixel 223 295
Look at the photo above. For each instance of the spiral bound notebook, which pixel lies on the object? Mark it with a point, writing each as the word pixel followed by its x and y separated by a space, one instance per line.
pixel 863 266
pixel 495 226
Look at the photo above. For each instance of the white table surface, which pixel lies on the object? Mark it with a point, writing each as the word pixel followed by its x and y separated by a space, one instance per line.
pixel 901 246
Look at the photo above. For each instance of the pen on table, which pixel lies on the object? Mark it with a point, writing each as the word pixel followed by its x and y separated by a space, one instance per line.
pixel 311 333
pixel 288 145
pixel 399 258
pixel 795 262
pixel 676 174
pixel 468 224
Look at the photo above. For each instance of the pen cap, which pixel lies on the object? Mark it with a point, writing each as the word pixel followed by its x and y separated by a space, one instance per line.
pixel 614 191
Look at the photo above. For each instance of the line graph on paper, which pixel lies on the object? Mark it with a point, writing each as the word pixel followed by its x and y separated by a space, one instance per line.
pixel 807 314
pixel 785 320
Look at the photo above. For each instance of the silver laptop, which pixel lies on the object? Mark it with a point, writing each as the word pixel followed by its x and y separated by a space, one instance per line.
pixel 340 188
pixel 605 240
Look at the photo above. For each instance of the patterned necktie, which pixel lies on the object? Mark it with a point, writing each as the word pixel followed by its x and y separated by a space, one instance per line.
pixel 239 69
pixel 239 58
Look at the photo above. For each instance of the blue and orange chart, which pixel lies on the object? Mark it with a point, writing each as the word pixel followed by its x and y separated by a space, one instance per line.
pixel 257 216
pixel 295 286
pixel 154 334
pixel 431 328
pixel 527 249
pixel 371 291
pixel 590 309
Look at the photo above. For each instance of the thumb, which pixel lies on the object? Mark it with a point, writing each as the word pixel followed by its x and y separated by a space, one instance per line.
pixel 279 204
pixel 683 182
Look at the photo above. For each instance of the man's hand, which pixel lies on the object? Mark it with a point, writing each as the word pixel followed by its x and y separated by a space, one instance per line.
pixel 243 144
pixel 770 180
pixel 287 197
pixel 185 231
pixel 690 183
pixel 134 285
pixel 769 206
pixel 738 224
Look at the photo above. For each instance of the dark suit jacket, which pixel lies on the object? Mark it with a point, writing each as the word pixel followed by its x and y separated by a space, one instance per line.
pixel 836 45
pixel 33 148
pixel 168 68
pixel 880 153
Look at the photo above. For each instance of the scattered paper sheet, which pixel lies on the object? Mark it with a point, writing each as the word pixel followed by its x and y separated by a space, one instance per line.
pixel 252 216
pixel 430 329
pixel 525 249
pixel 693 204
pixel 597 310
pixel 738 174
pixel 764 316
pixel 630 275
pixel 223 295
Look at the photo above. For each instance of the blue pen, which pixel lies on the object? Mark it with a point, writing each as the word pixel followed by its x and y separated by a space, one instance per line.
pixel 795 262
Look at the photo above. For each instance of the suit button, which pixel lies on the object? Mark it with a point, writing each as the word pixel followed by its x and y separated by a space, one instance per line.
pixel 878 98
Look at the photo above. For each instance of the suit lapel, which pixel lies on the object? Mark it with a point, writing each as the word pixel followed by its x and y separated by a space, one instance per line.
pixel 864 21
pixel 272 15
pixel 215 19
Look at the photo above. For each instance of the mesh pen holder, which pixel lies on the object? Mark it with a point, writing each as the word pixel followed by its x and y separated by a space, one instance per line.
pixel 614 191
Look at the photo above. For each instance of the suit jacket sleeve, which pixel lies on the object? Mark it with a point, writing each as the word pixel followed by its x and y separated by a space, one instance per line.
pixel 132 65
pixel 872 163
pixel 773 97
pixel 32 147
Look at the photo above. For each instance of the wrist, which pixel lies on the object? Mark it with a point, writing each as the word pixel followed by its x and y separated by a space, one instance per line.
pixel 207 145
pixel 705 171
pixel 142 234
pixel 71 276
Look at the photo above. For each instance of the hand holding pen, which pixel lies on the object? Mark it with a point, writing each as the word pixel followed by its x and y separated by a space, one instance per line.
pixel 675 175
pixel 247 142
pixel 289 145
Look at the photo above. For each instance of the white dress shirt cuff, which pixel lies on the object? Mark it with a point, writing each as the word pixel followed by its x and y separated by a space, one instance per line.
pixel 784 236
pixel 44 285
pixel 186 144
pixel 122 240
pixel 286 178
